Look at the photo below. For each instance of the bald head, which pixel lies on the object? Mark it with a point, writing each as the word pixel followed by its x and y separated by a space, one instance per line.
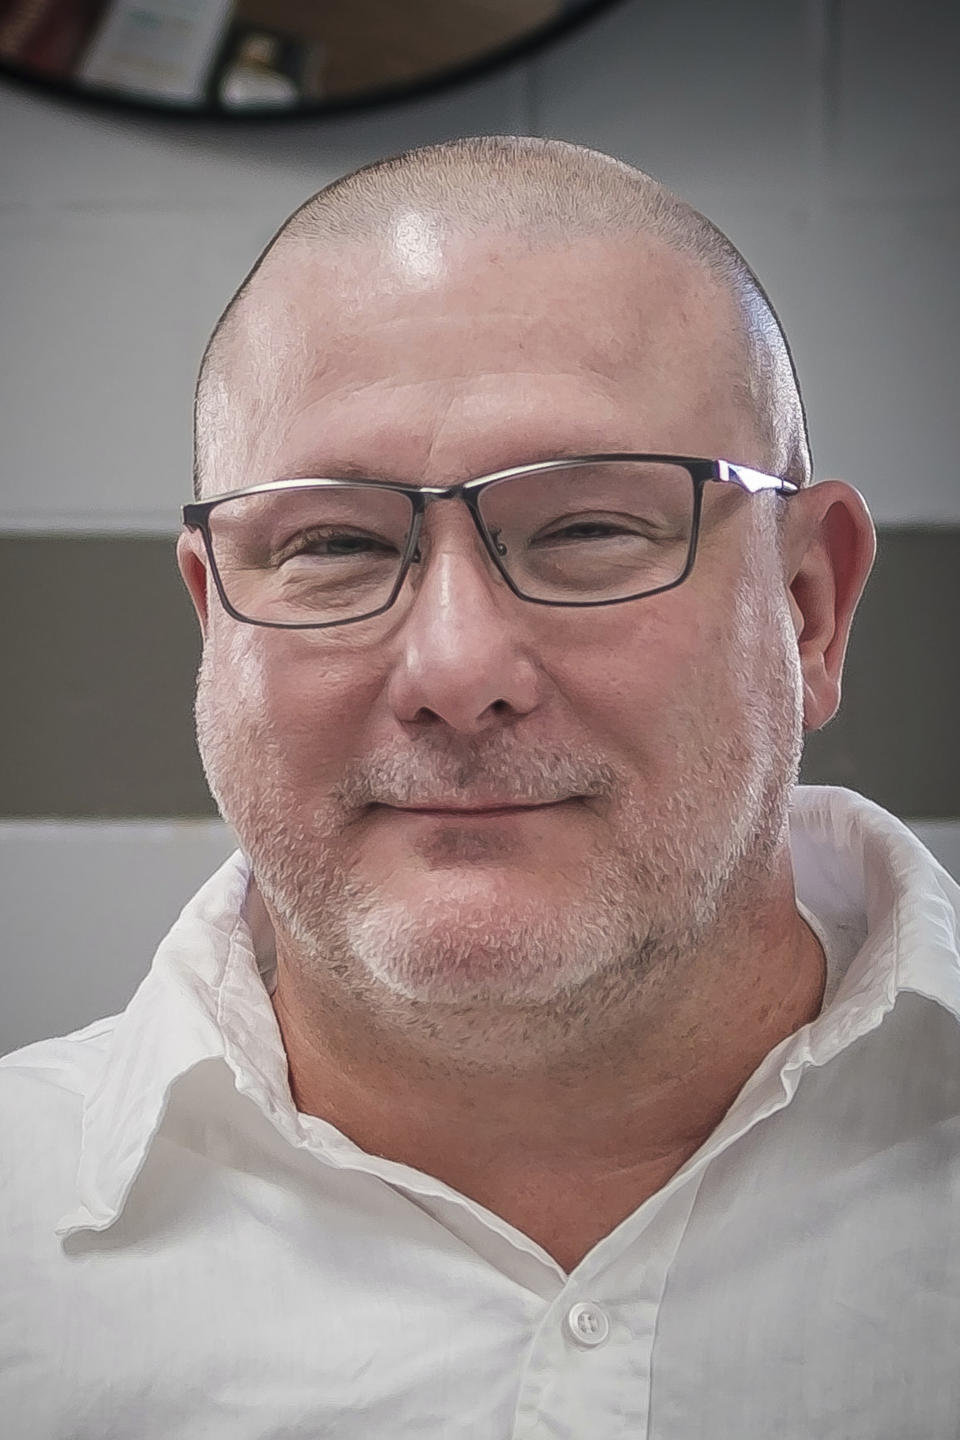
pixel 539 194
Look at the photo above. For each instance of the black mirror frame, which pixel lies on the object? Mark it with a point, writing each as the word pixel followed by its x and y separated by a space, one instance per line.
pixel 499 58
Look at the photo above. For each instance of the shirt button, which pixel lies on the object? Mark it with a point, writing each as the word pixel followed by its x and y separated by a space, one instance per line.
pixel 587 1324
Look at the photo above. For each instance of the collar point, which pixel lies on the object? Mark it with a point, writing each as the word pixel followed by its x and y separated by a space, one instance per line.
pixel 83 1219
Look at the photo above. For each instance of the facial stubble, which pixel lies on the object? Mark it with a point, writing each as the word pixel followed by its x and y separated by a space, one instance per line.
pixel 501 966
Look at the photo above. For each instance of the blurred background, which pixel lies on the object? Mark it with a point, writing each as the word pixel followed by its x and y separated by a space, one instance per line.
pixel 822 135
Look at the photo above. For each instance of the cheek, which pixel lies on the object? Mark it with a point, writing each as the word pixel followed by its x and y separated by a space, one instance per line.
pixel 301 699
pixel 234 679
pixel 646 682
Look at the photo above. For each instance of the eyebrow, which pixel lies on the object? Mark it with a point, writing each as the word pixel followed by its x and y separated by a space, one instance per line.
pixel 350 470
pixel 347 470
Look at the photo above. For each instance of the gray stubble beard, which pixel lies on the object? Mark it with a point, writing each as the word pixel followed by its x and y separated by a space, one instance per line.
pixel 532 982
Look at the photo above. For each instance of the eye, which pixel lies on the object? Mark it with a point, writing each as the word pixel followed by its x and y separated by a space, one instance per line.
pixel 589 529
pixel 597 528
pixel 333 545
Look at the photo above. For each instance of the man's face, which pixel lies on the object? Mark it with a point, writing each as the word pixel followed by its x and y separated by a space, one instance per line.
pixel 668 728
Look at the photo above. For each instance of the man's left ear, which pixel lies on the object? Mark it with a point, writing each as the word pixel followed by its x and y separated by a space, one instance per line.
pixel 829 549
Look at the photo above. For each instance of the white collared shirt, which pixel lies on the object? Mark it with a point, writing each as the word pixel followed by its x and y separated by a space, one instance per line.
pixel 184 1256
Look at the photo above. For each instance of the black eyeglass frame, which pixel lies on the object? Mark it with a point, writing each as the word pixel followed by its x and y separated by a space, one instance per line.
pixel 196 516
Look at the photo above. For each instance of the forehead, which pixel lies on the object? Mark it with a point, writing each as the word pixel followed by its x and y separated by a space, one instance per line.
pixel 489 332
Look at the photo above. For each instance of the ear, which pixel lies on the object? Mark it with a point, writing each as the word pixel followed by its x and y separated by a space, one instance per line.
pixel 829 547
pixel 192 563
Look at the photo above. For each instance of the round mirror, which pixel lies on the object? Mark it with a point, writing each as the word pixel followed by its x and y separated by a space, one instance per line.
pixel 270 57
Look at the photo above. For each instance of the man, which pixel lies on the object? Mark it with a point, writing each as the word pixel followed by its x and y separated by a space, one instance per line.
pixel 546 1063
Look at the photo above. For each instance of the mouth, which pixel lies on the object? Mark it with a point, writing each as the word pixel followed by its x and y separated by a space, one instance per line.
pixel 442 810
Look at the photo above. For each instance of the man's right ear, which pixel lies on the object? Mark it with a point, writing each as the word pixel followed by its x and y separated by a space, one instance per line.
pixel 192 563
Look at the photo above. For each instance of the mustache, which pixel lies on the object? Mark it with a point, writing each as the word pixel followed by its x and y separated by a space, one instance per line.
pixel 468 774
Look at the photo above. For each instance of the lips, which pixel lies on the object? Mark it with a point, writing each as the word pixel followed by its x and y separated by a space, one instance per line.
pixel 498 807
pixel 484 810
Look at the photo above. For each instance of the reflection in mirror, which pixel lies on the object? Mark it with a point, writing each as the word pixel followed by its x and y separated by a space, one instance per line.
pixel 268 56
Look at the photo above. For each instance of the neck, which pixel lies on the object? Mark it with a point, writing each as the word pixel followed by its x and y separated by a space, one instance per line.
pixel 562 1145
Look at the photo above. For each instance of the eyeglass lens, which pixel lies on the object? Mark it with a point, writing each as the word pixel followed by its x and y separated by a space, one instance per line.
pixel 578 534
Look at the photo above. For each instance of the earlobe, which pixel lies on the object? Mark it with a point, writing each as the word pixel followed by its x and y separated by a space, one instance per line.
pixel 836 553
pixel 193 569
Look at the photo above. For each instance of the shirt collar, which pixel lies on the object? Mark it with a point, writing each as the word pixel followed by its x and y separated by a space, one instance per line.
pixel 877 888
pixel 892 910
pixel 206 997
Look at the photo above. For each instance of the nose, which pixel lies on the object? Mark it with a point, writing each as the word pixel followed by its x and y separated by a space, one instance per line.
pixel 465 656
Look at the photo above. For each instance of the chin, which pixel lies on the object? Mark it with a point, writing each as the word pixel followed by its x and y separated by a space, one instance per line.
pixel 435 952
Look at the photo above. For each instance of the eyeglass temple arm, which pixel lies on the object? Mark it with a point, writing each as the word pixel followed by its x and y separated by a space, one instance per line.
pixel 753 480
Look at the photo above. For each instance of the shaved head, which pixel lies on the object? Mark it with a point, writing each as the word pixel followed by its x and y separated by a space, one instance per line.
pixel 540 194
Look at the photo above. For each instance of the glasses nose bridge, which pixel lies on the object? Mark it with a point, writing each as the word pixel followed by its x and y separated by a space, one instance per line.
pixel 428 495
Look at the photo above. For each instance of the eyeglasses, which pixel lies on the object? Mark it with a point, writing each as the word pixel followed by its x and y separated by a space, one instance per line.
pixel 583 531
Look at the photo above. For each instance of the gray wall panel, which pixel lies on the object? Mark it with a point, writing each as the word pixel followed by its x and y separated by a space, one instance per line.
pixel 101 646
pixel 100 665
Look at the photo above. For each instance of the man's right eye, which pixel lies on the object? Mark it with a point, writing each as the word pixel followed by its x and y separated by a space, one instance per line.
pixel 327 545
